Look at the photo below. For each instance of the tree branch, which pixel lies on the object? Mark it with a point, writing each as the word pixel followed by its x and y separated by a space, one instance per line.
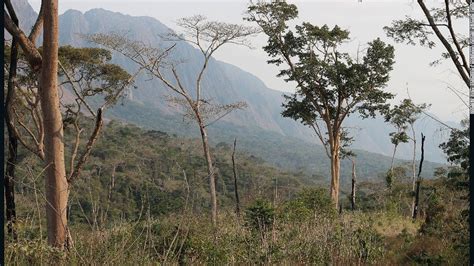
pixel 446 44
pixel 31 53
pixel 92 139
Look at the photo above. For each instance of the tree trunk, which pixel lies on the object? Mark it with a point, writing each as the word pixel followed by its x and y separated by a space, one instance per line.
pixel 353 187
pixel 9 181
pixel 414 170
pixel 237 200
pixel 418 181
pixel 393 159
pixel 335 168
pixel 210 169
pixel 56 182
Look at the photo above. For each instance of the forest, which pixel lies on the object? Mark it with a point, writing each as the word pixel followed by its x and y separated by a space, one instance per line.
pixel 127 147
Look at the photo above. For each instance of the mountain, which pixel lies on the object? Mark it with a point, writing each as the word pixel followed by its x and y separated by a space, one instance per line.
pixel 226 83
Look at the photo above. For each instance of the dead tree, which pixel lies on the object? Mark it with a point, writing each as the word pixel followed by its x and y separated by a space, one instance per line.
pixel 353 186
pixel 416 199
pixel 237 200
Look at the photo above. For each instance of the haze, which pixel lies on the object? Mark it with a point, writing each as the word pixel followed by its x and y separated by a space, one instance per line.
pixel 365 21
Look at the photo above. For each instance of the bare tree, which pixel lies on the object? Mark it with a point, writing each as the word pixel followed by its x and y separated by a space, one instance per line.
pixel 208 37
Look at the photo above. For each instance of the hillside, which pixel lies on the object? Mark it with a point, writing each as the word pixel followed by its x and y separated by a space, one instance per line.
pixel 137 183
pixel 224 83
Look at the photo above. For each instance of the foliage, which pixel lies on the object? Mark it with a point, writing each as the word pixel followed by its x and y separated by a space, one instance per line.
pixel 310 203
pixel 259 216
pixel 457 147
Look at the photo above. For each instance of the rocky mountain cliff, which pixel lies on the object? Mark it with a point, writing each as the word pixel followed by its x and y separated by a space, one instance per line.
pixel 223 82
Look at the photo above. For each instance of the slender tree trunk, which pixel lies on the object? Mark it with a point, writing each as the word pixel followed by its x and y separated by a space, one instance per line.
pixel 9 181
pixel 418 181
pixel 237 200
pixel 56 182
pixel 353 187
pixel 414 170
pixel 210 169
pixel 393 158
pixel 335 169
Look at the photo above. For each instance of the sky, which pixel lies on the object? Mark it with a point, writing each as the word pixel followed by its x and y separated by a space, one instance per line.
pixel 365 21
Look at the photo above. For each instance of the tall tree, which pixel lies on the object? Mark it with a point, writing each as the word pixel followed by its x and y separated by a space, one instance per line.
pixel 208 37
pixel 330 84
pixel 86 74
pixel 11 57
pixel 57 189
pixel 404 117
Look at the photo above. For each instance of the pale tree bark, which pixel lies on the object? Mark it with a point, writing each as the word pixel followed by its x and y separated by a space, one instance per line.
pixel 393 159
pixel 210 168
pixel 57 189
pixel 335 169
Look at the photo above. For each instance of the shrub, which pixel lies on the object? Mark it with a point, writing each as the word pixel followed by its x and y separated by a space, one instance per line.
pixel 259 216
pixel 309 203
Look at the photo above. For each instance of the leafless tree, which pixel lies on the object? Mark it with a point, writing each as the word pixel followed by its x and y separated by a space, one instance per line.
pixel 208 37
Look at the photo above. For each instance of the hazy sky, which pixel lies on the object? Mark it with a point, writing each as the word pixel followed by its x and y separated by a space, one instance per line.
pixel 364 20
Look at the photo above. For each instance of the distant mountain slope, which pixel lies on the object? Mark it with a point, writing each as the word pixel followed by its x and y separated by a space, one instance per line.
pixel 223 82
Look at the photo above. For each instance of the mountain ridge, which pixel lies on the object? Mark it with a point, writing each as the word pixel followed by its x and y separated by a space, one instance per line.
pixel 221 80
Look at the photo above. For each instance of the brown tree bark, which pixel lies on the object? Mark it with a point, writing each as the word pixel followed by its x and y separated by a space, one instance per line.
pixel 353 187
pixel 418 181
pixel 237 200
pixel 414 169
pixel 57 189
pixel 9 181
pixel 12 147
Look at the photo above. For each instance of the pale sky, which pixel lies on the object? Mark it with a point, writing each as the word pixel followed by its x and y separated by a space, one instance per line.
pixel 365 21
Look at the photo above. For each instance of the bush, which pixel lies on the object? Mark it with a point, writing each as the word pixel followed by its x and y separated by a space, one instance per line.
pixel 309 203
pixel 259 216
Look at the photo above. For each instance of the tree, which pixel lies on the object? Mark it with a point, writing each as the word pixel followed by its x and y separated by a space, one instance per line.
pixel 330 84
pixel 457 146
pixel 38 105
pixel 397 116
pixel 208 37
pixel 12 58
pixel 403 117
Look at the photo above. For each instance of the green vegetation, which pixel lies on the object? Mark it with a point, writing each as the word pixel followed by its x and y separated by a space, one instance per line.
pixel 153 193
pixel 143 199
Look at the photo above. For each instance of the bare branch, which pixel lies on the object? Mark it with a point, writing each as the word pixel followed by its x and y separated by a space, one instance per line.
pixel 92 139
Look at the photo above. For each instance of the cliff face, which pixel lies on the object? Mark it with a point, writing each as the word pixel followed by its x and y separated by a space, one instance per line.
pixel 222 82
